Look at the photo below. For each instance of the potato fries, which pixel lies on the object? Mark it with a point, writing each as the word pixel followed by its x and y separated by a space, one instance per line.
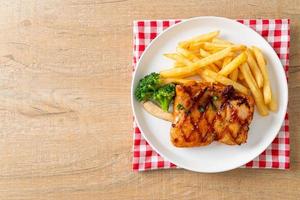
pixel 200 38
pixel 234 75
pixel 262 109
pixel 178 64
pixel 196 46
pixel 273 104
pixel 220 41
pixel 175 72
pixel 262 65
pixel 214 59
pixel 213 67
pixel 178 58
pixel 204 54
pixel 234 64
pixel 217 47
pixel 203 76
pixel 254 68
pixel 226 81
pixel 191 56
pixel 226 60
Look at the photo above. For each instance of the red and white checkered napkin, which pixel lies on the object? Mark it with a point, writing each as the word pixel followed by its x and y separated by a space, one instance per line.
pixel 277 33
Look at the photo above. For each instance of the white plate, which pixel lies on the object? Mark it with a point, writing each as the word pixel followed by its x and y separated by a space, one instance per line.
pixel 215 157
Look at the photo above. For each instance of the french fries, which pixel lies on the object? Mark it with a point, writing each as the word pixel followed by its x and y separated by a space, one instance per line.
pixel 213 67
pixel 273 104
pixel 178 58
pixel 226 60
pixel 217 46
pixel 262 109
pixel 191 56
pixel 178 72
pixel 220 41
pixel 234 64
pixel 204 77
pixel 200 38
pixel 254 68
pixel 226 81
pixel 214 59
pixel 178 64
pixel 204 54
pixel 175 72
pixel 196 46
pixel 262 65
pixel 234 75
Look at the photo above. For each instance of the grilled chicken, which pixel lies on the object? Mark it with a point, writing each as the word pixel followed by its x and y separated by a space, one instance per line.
pixel 204 112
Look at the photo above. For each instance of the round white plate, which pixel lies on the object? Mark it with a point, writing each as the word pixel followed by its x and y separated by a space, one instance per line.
pixel 215 157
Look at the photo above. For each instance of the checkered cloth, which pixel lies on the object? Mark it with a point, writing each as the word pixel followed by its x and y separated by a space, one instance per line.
pixel 277 33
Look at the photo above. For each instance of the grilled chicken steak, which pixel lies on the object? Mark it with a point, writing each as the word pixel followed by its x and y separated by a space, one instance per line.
pixel 204 112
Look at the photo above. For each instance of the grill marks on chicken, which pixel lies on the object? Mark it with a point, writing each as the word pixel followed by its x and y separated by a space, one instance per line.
pixel 204 112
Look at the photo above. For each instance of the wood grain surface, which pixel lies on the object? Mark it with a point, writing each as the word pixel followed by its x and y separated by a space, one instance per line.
pixel 66 120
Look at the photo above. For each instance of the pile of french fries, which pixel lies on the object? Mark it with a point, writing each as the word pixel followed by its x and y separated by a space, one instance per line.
pixel 216 60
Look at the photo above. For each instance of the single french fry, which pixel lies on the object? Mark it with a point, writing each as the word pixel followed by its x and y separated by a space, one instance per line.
pixel 226 60
pixel 254 68
pixel 201 38
pixel 217 47
pixel 204 54
pixel 208 46
pixel 238 47
pixel 273 105
pixel 234 64
pixel 186 74
pixel 179 58
pixel 226 81
pixel 258 97
pixel 221 41
pixel 262 65
pixel 248 73
pixel 175 72
pixel 234 75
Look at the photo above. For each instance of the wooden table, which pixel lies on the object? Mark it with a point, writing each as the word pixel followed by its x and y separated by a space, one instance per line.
pixel 65 112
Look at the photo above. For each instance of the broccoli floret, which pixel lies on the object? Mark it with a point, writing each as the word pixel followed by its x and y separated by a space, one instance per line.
pixel 147 86
pixel 151 88
pixel 164 95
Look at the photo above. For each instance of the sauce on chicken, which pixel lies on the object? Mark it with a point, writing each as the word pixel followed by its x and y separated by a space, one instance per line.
pixel 204 112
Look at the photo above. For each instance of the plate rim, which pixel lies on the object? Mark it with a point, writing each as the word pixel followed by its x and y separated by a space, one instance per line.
pixel 285 98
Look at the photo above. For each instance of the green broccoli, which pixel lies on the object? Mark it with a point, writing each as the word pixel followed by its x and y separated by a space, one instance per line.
pixel 151 88
pixel 147 86
pixel 164 95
